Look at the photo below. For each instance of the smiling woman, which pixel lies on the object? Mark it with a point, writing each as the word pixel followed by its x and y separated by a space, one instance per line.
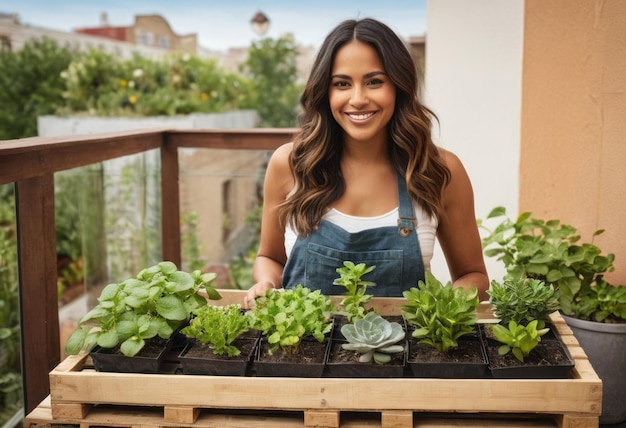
pixel 363 180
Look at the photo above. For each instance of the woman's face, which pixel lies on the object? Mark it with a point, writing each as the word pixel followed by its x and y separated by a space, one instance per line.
pixel 362 97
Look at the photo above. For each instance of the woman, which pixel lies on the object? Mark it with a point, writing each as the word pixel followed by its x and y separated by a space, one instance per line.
pixel 363 180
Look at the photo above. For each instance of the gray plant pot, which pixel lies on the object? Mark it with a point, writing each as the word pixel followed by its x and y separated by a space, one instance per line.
pixel 605 346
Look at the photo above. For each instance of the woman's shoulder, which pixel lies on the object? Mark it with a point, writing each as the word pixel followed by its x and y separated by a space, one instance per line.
pixel 279 169
pixel 281 155
pixel 450 159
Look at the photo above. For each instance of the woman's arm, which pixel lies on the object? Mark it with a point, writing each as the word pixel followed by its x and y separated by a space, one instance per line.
pixel 458 230
pixel 271 258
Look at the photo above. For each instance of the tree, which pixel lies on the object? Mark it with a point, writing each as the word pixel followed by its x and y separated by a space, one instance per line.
pixel 271 66
pixel 31 85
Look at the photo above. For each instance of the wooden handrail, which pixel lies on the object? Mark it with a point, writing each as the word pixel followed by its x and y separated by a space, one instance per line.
pixel 31 163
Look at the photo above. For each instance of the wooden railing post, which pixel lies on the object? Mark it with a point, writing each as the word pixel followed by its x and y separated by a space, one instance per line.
pixel 38 289
pixel 170 204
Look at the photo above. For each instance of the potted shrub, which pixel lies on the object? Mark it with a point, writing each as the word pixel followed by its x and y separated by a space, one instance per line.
pixel 445 341
pixel 594 309
pixel 373 347
pixel 218 344
pixel 294 326
pixel 136 314
pixel 524 344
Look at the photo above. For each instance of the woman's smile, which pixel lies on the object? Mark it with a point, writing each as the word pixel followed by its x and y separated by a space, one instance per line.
pixel 360 117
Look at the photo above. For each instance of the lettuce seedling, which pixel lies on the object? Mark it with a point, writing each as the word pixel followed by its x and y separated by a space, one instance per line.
pixel 286 316
pixel 218 327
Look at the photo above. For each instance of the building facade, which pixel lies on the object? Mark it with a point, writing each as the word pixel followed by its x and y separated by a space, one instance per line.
pixel 148 30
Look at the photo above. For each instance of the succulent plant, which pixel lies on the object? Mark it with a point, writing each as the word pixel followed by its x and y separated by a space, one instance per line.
pixel 523 300
pixel 373 337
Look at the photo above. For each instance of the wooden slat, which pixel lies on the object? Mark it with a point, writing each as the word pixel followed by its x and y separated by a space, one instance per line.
pixel 33 157
pixel 100 416
pixel 38 287
pixel 257 139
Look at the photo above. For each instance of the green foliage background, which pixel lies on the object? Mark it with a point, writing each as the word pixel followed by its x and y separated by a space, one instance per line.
pixel 45 78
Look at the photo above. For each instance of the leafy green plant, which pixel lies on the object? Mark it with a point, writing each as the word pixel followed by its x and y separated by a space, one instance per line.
pixel 523 300
pixel 158 301
pixel 218 327
pixel 286 316
pixel 550 251
pixel 517 338
pixel 373 337
pixel 350 277
pixel 440 313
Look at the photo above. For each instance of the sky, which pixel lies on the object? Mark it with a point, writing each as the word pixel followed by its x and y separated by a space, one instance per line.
pixel 221 24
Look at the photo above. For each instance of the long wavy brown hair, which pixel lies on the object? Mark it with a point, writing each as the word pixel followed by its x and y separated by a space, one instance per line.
pixel 316 155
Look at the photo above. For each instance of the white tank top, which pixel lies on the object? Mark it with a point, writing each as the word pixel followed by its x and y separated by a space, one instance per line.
pixel 426 228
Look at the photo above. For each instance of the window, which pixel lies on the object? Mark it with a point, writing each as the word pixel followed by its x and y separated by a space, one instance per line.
pixel 144 37
pixel 164 42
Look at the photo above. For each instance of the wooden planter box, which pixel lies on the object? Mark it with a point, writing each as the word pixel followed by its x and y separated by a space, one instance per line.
pixel 76 389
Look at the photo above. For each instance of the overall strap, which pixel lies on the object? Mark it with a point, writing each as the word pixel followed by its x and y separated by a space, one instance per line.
pixel 406 220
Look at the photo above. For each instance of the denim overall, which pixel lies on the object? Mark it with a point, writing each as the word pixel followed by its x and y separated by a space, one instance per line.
pixel 395 252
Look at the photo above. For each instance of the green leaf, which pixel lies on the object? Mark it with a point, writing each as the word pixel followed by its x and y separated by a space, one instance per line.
pixel 76 341
pixel 108 339
pixel 497 212
pixel 131 347
pixel 182 281
pixel 212 293
pixel 167 267
pixel 169 307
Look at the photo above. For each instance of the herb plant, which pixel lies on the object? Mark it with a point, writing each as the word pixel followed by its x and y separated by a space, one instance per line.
pixel 286 316
pixel 551 252
pixel 373 337
pixel 350 277
pixel 523 300
pixel 218 327
pixel 440 313
pixel 517 338
pixel 157 302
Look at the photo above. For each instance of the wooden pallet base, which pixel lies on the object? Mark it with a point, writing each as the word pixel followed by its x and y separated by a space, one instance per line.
pixel 81 396
pixel 154 417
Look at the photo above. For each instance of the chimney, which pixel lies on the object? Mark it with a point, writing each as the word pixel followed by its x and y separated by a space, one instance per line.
pixel 104 19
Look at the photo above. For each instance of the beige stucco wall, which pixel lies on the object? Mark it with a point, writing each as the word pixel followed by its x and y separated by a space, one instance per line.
pixel 573 136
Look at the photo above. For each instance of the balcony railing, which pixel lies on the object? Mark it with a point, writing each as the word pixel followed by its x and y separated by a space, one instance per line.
pixel 31 163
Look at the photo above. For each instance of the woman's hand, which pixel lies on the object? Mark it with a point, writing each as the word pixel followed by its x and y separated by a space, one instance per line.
pixel 258 289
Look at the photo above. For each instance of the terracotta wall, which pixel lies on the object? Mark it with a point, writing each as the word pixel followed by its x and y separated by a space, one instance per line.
pixel 573 136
